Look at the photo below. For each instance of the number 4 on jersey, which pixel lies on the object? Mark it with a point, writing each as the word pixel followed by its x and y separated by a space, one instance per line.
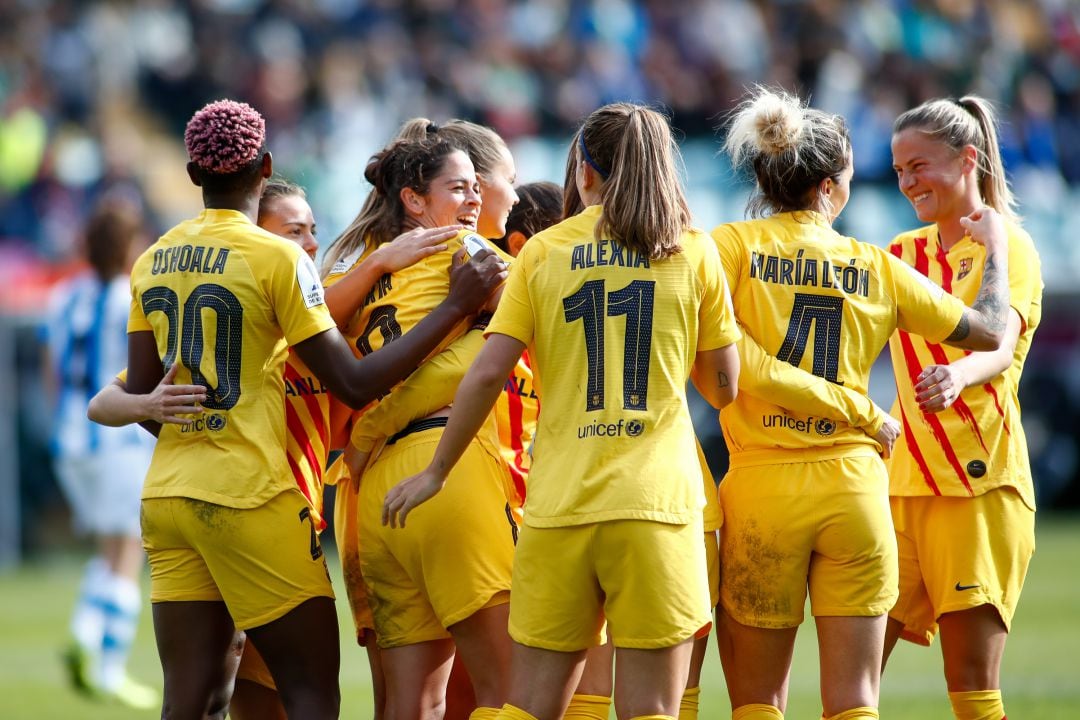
pixel 592 305
pixel 828 312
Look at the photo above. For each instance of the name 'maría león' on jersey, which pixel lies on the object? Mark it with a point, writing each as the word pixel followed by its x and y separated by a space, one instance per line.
pixel 810 272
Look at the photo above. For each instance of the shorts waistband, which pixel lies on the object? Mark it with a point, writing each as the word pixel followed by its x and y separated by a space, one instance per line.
pixel 782 456
pixel 418 426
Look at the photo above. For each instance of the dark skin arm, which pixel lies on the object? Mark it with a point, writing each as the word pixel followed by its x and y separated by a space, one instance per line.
pixel 145 370
pixel 357 382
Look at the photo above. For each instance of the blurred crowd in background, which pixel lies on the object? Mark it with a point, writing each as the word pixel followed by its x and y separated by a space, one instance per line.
pixel 94 97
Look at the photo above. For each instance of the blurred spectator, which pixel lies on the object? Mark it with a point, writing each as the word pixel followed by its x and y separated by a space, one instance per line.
pixel 333 77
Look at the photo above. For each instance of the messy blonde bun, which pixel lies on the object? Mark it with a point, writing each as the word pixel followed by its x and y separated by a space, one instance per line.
pixel 789 147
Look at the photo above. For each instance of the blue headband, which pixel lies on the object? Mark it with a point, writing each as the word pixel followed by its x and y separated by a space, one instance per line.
pixel 588 157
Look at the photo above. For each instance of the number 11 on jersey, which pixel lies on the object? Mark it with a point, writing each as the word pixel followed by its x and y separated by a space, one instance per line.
pixel 591 304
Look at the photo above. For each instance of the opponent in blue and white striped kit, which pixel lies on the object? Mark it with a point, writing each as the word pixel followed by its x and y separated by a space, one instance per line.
pixel 100 469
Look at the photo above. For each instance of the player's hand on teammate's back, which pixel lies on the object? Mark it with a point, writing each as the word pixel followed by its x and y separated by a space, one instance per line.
pixel 169 403
pixel 407 494
pixel 473 281
pixel 411 247
pixel 887 435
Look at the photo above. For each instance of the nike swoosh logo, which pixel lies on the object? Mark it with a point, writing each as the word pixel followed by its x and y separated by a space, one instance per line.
pixel 961 588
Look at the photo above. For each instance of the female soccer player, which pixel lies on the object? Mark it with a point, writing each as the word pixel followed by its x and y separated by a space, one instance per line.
pixel 239 550
pixel 429 389
pixel 313 418
pixel 100 469
pixel 960 483
pixel 804 499
pixel 436 587
pixel 614 475
pixel 592 697
pixel 315 422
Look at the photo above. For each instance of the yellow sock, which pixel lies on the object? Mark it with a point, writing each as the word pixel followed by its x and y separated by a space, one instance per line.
pixel 653 717
pixel 859 713
pixel 509 712
pixel 757 711
pixel 484 713
pixel 588 707
pixel 977 705
pixel 688 708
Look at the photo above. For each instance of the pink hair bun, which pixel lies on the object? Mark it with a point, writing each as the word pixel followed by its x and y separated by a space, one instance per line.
pixel 225 136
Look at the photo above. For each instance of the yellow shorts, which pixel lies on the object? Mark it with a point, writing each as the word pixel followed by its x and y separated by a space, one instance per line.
pixel 262 562
pixel 647 578
pixel 958 553
pixel 823 524
pixel 455 555
pixel 347 536
pixel 253 667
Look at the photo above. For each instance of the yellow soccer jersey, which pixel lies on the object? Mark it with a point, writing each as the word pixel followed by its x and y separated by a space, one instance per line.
pixel 225 299
pixel 340 269
pixel 824 303
pixel 795 389
pixel 314 419
pixel 516 412
pixel 612 336
pixel 978 444
pixel 309 426
pixel 401 300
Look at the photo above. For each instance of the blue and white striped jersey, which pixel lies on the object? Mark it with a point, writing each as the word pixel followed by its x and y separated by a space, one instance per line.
pixel 86 333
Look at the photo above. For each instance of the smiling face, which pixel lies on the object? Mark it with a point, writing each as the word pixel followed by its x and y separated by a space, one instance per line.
pixel 937 180
pixel 453 196
pixel 497 188
pixel 290 217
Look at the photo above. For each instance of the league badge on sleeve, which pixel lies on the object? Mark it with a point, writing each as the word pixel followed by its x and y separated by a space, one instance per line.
pixel 307 277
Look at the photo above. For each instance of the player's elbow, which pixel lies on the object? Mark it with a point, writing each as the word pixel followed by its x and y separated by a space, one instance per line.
pixel 985 338
pixel 356 395
pixel 726 396
pixel 93 412
pixel 716 375
pixel 721 397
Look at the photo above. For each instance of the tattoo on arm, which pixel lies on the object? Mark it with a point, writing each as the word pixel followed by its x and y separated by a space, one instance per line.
pixel 989 309
pixel 989 303
pixel 963 329
pixel 722 379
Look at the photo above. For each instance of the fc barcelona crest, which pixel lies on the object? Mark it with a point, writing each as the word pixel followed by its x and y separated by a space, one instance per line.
pixel 965 268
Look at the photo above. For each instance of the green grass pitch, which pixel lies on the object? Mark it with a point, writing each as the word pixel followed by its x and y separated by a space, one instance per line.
pixel 1041 677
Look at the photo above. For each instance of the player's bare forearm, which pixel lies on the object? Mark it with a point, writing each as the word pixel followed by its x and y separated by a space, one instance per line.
pixel 145 370
pixel 982 326
pixel 939 386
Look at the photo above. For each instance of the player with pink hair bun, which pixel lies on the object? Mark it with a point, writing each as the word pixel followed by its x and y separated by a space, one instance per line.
pixel 237 549
pixel 225 137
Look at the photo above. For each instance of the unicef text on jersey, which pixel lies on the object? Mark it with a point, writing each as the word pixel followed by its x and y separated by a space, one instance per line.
pixel 213 423
pixel 822 426
pixel 631 428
